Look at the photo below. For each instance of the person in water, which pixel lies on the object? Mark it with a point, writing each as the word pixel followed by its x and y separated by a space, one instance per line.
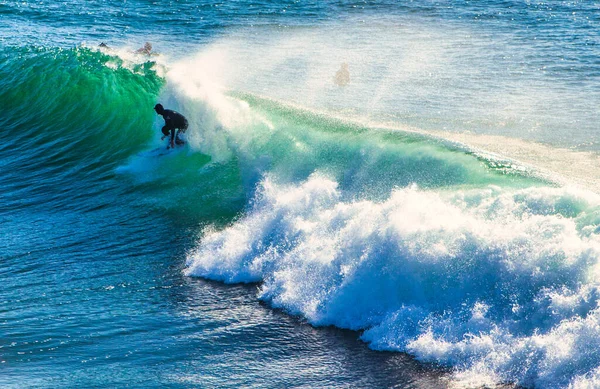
pixel 146 49
pixel 173 121
pixel 342 77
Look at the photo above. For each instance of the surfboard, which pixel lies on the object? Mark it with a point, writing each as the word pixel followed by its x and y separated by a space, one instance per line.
pixel 163 150
pixel 157 152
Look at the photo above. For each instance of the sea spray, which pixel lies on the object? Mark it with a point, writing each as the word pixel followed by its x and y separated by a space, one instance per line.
pixel 501 283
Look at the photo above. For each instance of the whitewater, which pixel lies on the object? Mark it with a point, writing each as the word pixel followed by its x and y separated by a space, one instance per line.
pixel 434 222
pixel 485 261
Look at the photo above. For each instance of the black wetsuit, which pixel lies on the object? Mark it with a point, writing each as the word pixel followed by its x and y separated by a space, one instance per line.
pixel 173 120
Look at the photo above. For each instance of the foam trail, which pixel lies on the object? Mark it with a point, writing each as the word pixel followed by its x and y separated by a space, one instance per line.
pixel 500 284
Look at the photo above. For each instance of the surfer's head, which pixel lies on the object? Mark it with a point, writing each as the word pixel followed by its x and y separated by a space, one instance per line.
pixel 159 108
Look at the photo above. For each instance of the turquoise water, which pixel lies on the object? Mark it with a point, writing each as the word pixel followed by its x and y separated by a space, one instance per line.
pixel 309 234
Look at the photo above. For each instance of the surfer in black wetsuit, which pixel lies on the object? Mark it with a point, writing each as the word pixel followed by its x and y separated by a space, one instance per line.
pixel 173 121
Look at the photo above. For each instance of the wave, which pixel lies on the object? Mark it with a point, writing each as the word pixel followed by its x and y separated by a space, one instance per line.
pixel 453 255
pixel 83 97
pixel 426 246
pixel 70 116
pixel 499 283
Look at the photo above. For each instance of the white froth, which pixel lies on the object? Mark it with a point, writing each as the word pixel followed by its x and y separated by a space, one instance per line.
pixel 498 283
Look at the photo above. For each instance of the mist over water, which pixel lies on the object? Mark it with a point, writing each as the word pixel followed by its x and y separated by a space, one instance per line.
pixel 454 76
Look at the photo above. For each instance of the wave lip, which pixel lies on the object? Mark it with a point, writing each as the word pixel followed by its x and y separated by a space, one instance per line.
pixel 497 283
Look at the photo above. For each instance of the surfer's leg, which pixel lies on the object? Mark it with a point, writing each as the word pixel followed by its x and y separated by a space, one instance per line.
pixel 178 140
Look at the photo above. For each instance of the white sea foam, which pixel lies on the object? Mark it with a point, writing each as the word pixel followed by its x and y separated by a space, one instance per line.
pixel 500 284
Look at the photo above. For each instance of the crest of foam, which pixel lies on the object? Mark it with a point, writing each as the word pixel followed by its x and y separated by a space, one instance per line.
pixel 501 284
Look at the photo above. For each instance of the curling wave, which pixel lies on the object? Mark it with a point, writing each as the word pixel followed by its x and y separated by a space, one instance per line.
pixel 499 283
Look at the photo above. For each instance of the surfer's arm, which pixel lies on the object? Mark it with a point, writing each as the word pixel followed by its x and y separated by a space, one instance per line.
pixel 165 131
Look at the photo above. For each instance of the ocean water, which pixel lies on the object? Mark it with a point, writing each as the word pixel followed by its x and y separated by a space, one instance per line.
pixel 433 223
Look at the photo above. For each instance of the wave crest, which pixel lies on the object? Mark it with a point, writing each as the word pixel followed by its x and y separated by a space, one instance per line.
pixel 495 282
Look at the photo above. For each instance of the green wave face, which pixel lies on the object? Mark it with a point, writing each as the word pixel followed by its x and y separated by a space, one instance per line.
pixel 83 115
pixel 366 162
pixel 76 100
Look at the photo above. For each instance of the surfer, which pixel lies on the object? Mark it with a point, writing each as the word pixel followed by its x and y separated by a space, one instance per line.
pixel 342 77
pixel 146 49
pixel 173 121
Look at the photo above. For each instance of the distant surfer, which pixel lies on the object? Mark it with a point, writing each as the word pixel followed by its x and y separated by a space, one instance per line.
pixel 173 121
pixel 103 47
pixel 342 77
pixel 146 49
